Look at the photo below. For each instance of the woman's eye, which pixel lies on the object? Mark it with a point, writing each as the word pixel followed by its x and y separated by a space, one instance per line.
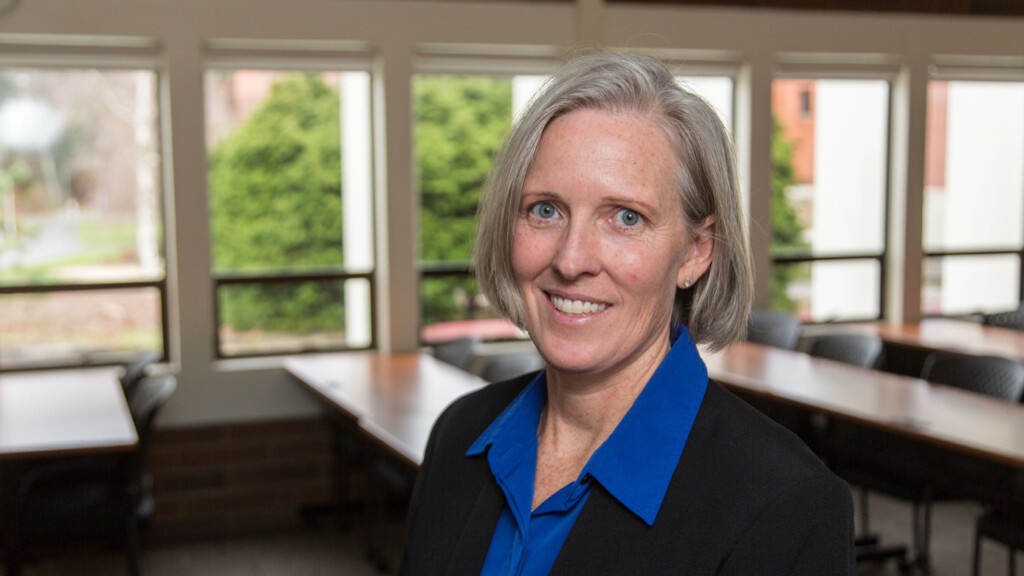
pixel 628 217
pixel 544 210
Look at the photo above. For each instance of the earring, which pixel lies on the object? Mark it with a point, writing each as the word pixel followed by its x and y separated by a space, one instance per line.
pixel 687 283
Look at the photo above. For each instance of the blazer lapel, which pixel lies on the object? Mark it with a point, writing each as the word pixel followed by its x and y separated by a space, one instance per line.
pixel 475 539
pixel 606 539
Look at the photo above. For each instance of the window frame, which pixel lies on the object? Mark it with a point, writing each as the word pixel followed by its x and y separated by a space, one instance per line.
pixel 292 56
pixel 878 67
pixel 116 54
pixel 972 69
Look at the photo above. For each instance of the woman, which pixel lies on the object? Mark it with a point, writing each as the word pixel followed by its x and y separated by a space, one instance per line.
pixel 611 231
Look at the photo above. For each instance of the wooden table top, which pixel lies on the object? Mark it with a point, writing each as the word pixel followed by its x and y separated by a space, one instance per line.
pixel 63 412
pixel 956 336
pixel 949 417
pixel 397 398
pixel 394 398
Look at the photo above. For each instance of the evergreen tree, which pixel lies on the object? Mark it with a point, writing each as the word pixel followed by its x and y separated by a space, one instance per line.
pixel 787 231
pixel 275 198
pixel 461 122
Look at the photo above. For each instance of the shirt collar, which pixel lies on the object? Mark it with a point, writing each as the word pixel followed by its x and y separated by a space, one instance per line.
pixel 516 420
pixel 510 445
pixel 636 463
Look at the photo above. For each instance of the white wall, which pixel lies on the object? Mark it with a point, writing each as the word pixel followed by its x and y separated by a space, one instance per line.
pixel 396 31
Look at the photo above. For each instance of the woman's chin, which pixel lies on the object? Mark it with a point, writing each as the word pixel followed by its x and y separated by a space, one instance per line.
pixel 575 364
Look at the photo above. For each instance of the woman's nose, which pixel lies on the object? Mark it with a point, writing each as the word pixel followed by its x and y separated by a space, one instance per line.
pixel 578 252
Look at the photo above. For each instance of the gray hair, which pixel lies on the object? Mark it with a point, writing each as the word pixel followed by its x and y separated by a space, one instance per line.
pixel 715 308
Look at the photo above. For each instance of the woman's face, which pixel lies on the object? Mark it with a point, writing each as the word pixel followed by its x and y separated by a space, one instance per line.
pixel 600 245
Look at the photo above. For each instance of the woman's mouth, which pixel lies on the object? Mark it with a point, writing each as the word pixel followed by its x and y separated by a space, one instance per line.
pixel 576 307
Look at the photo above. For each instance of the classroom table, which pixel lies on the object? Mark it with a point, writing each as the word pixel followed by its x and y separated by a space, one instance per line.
pixel 943 416
pixel 907 344
pixel 55 414
pixel 386 401
pixel 392 399
pixel 63 412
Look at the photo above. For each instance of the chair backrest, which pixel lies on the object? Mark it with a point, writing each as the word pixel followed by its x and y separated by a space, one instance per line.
pixel 149 396
pixel 458 352
pixel 992 375
pixel 776 329
pixel 857 349
pixel 1013 319
pixel 135 370
pixel 504 366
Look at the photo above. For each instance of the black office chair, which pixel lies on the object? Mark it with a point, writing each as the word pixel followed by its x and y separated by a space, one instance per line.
pixel 1004 524
pixel 1000 378
pixel 991 375
pixel 89 497
pixel 458 352
pixel 776 329
pixel 861 350
pixel 1013 319
pixel 864 351
pixel 890 469
pixel 504 366
pixel 136 370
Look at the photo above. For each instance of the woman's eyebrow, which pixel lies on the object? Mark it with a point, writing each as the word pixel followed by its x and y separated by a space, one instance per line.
pixel 540 194
pixel 630 201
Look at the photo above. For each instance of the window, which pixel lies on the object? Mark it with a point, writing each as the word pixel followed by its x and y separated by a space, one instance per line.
pixel 828 196
pixel 82 275
pixel 461 120
pixel 290 196
pixel 805 103
pixel 974 197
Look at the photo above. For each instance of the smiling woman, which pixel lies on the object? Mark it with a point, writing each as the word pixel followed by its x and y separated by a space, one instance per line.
pixel 614 238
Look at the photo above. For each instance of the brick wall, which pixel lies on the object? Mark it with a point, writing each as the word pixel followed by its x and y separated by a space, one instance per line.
pixel 235 478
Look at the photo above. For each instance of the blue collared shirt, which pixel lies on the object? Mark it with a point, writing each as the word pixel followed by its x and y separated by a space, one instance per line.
pixel 635 464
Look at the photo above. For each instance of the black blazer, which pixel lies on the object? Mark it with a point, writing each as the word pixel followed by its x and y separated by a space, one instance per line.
pixel 747 499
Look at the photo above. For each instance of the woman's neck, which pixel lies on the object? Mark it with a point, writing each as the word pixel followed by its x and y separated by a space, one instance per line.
pixel 594 404
pixel 581 412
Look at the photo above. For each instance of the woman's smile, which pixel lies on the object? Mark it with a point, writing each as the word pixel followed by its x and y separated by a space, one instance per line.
pixel 576 307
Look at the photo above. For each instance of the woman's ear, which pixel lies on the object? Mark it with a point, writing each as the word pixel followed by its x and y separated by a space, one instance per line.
pixel 699 253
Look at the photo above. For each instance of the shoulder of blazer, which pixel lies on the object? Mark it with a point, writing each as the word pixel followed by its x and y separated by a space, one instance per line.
pixel 735 463
pixel 468 416
pixel 455 502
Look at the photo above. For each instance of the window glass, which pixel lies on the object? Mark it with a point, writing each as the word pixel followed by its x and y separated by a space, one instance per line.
pixel 78 327
pixel 286 306
pixel 717 90
pixel 80 204
pixel 974 183
pixel 973 197
pixel 970 284
pixel 828 190
pixel 832 290
pixel 461 122
pixel 290 194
